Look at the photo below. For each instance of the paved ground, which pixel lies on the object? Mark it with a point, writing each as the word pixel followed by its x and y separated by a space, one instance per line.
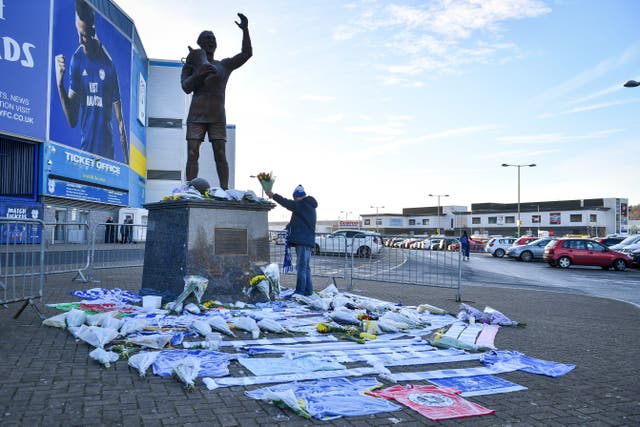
pixel 47 378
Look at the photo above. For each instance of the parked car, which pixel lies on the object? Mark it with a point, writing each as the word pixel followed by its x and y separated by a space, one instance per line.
pixel 422 244
pixel 391 242
pixel 530 251
pixel 629 240
pixel 610 240
pixel 441 244
pixel 353 242
pixel 497 246
pixel 524 240
pixel 631 250
pixel 635 257
pixel 569 251
pixel 474 246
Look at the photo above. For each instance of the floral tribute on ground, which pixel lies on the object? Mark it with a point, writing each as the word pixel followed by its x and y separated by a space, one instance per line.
pixel 326 353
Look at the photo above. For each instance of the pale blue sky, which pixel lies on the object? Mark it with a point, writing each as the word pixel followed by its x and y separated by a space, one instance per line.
pixel 382 103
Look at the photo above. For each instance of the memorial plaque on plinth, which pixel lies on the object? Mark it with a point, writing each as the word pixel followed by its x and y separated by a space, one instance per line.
pixel 222 241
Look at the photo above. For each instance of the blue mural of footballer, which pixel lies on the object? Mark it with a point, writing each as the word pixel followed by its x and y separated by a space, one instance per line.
pixel 93 95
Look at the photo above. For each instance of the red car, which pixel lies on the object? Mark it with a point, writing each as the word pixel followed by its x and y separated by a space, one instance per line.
pixel 565 252
pixel 524 240
pixel 474 246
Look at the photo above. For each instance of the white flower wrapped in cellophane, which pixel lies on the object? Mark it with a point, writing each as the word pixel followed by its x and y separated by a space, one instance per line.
pixel 187 371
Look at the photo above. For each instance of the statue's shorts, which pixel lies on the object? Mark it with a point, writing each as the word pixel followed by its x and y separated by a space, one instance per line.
pixel 199 130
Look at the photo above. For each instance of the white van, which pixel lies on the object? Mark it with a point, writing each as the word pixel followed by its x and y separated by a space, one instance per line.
pixel 140 217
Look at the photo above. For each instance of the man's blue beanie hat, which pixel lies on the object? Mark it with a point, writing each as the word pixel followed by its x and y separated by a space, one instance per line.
pixel 299 191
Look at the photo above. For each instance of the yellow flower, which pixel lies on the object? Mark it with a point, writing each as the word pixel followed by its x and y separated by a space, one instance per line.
pixel 257 279
pixel 165 198
pixel 322 328
pixel 175 197
pixel 365 335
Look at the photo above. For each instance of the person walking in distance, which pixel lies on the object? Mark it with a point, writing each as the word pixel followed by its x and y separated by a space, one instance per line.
pixel 302 233
pixel 465 245
pixel 110 231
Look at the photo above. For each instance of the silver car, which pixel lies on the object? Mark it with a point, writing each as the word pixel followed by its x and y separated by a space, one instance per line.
pixel 530 251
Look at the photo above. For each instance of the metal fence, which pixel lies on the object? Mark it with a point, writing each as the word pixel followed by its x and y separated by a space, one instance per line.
pixel 116 246
pixel 32 249
pixel 435 261
pixel 67 248
pixel 22 260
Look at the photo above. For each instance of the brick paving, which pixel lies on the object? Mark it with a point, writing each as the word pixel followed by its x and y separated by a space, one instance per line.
pixel 47 378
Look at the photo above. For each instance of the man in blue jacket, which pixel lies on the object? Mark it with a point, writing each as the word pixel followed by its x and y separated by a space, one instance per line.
pixel 302 233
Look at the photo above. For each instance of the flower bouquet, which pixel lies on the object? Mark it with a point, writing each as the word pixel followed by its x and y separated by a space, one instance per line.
pixel 266 180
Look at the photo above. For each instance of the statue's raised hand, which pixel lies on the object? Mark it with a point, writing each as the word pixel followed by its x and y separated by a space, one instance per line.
pixel 244 22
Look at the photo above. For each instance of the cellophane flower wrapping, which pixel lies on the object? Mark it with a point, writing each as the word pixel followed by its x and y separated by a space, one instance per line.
pixel 249 325
pixel 288 399
pixel 104 357
pixel 187 371
pixel 217 323
pixel 193 284
pixel 266 180
pixel 143 360
pixel 95 335
pixel 273 276
pixel 258 292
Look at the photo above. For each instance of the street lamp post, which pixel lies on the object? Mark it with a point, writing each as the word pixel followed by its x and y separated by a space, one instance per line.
pixel 519 166
pixel 438 196
pixel 346 214
pixel 376 208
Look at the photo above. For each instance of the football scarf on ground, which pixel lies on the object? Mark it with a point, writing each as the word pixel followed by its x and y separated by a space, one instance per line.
pixel 433 402
pixel 478 385
pixel 332 398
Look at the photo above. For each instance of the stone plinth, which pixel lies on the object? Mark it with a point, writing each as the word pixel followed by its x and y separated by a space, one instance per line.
pixel 220 240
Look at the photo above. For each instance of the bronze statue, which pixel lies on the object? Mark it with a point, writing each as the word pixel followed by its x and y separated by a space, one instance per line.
pixel 207 79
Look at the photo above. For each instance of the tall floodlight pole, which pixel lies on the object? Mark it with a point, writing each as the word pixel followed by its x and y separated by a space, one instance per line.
pixel 438 196
pixel 376 208
pixel 519 166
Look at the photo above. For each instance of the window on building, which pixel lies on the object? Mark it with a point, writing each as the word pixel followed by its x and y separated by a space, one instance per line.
pixel 535 219
pixel 493 219
pixel 412 222
pixel 593 218
pixel 367 221
pixel 378 221
pixel 425 221
pixel 475 220
pixel 18 161
pixel 509 219
pixel 575 218
pixel 164 174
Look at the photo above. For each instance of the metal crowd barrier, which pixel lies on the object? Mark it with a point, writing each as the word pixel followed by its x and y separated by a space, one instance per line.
pixel 22 256
pixel 346 258
pixel 116 246
pixel 333 261
pixel 435 262
pixel 67 248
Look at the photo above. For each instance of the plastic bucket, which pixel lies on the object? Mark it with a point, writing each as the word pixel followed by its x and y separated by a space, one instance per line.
pixel 151 301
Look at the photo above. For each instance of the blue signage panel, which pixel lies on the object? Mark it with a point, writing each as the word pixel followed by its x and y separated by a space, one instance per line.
pixel 65 162
pixel 90 83
pixel 24 32
pixel 71 190
pixel 20 232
